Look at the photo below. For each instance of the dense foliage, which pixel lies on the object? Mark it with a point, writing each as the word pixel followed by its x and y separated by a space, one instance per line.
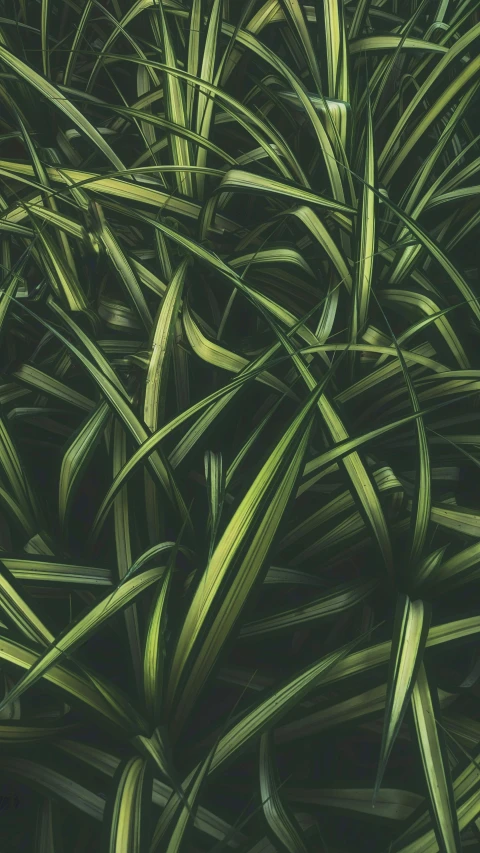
pixel 239 355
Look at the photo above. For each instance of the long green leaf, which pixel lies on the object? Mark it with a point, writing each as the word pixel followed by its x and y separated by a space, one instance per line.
pixel 410 634
pixel 435 767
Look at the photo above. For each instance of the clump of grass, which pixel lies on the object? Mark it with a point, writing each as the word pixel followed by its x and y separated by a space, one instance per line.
pixel 239 519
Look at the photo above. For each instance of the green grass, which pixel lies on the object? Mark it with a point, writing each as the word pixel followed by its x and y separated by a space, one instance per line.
pixel 239 426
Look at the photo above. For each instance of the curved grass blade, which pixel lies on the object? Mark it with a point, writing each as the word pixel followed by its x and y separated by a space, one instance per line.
pixel 187 811
pixel 321 608
pixel 421 508
pixel 282 824
pixel 220 357
pixel 411 626
pixel 76 634
pixel 94 693
pixel 388 42
pixel 385 481
pixel 175 107
pixel 295 12
pixel 391 803
pixel 49 385
pixel 354 466
pixel 318 230
pixel 270 710
pixel 49 781
pixel 215 480
pixel 20 614
pixel 124 271
pixel 14 472
pixel 216 614
pixel 106 763
pixel 42 571
pixel 365 243
pixel 237 180
pixel 435 765
pixel 74 50
pixel 127 415
pixel 339 451
pixel 373 656
pixel 128 822
pixel 58 100
pixel 48 837
pixel 77 455
pixel 121 520
pixel 155 648
pixel 157 373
